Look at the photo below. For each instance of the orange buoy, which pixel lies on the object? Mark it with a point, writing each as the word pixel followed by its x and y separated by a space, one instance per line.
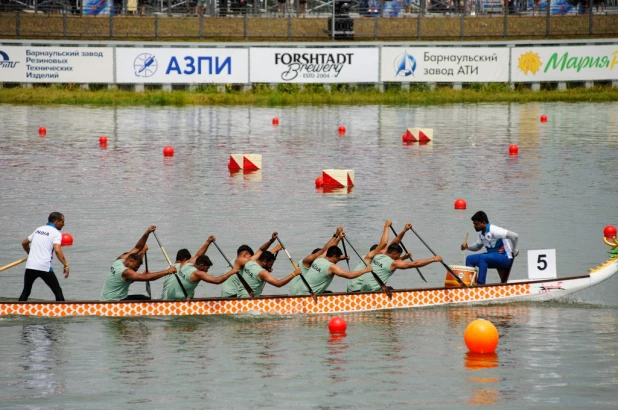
pixel 275 121
pixel 543 118
pixel 337 325
pixel 460 204
pixel 513 149
pixel 67 239
pixel 168 151
pixel 609 231
pixel 42 131
pixel 481 336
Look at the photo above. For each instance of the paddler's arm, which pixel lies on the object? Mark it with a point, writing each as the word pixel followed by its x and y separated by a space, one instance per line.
pixel 213 279
pixel 62 259
pixel 264 247
pixel 333 241
pixel 130 274
pixel 267 277
pixel 474 247
pixel 382 244
pixel 401 264
pixel 26 245
pixel 401 234
pixel 336 270
pixel 142 241
pixel 203 249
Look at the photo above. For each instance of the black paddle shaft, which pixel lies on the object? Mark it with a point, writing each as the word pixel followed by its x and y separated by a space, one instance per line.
pixel 406 251
pixel 442 262
pixel 147 282
pixel 375 276
pixel 184 291
pixel 315 299
pixel 242 280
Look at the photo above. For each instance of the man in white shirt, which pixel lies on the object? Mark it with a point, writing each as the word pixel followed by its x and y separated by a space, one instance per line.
pixel 40 247
pixel 501 246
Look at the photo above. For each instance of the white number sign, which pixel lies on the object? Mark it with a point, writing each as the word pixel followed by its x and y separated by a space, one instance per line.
pixel 542 264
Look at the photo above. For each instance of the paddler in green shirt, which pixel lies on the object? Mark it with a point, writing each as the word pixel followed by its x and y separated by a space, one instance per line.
pixel 123 272
pixel 322 272
pixel 183 256
pixel 384 265
pixel 232 288
pixel 192 273
pixel 355 285
pixel 258 273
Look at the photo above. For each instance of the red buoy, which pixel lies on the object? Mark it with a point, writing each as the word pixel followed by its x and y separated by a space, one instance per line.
pixel 337 325
pixel 42 131
pixel 319 181
pixel 66 240
pixel 103 141
pixel 513 149
pixel 543 118
pixel 168 151
pixel 609 231
pixel 341 129
pixel 460 204
pixel 275 121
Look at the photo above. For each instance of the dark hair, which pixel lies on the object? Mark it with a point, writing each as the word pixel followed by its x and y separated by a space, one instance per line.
pixel 334 251
pixel 203 260
pixel 316 250
pixel 394 248
pixel 266 256
pixel 54 216
pixel 183 255
pixel 373 247
pixel 134 257
pixel 243 248
pixel 480 216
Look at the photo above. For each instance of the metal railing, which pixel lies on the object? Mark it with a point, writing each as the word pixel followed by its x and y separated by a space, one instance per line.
pixel 263 20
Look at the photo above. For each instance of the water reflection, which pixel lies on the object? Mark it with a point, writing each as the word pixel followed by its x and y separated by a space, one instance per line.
pixel 43 354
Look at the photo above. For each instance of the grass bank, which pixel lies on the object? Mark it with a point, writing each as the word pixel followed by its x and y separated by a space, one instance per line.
pixel 291 94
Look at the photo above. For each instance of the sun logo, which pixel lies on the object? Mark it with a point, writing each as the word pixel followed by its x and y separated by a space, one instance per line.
pixel 529 62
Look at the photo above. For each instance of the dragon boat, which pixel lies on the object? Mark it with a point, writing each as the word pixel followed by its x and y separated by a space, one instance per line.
pixel 329 303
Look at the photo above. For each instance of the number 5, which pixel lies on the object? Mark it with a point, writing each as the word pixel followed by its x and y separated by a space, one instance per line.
pixel 542 262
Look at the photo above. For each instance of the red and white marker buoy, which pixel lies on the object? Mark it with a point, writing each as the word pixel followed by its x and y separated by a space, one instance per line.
pixel 418 135
pixel 245 161
pixel 460 204
pixel 339 178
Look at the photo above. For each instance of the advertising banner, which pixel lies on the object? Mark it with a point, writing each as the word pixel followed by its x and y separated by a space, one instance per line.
pixel 57 64
pixel 445 64
pixel 314 65
pixel 99 7
pixel 182 65
pixel 575 63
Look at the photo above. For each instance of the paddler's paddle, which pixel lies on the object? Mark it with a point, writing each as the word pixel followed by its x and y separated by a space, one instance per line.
pixel 345 253
pixel 406 251
pixel 170 263
pixel 315 299
pixel 147 282
pixel 442 262
pixel 10 265
pixel 242 280
pixel 375 276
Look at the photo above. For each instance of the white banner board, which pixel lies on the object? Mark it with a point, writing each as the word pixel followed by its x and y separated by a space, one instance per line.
pixel 182 65
pixel 314 65
pixel 57 64
pixel 542 264
pixel 445 64
pixel 583 63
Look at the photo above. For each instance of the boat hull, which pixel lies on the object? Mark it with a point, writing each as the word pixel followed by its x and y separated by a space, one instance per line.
pixel 326 304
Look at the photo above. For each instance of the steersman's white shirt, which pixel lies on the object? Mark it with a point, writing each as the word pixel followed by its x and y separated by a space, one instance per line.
pixel 42 243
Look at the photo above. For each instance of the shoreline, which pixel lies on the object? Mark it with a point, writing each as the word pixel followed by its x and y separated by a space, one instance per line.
pixel 291 94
